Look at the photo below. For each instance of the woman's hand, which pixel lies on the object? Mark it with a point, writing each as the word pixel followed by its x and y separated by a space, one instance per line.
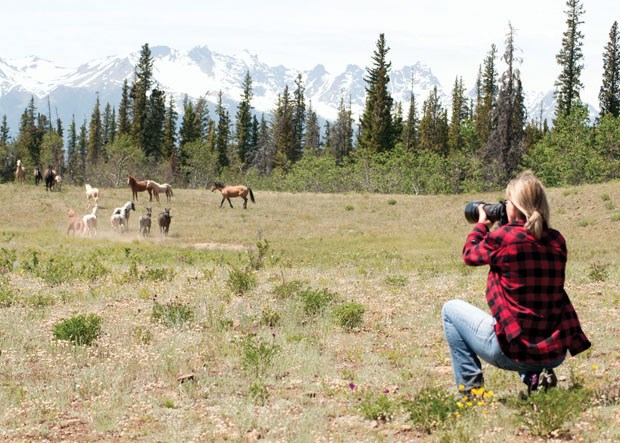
pixel 482 216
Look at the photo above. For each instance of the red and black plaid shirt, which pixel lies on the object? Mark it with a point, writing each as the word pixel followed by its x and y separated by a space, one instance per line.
pixel 536 322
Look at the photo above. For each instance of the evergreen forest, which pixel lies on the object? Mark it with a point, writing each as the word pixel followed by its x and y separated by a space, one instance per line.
pixel 419 147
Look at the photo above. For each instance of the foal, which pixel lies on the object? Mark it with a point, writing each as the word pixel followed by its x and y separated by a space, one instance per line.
pixel 90 222
pixel 164 221
pixel 145 223
pixel 76 224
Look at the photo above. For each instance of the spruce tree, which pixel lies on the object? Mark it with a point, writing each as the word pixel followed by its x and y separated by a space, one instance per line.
pixel 108 126
pixel 95 137
pixel 82 147
pixel 341 133
pixel 124 120
pixel 501 154
pixel 243 122
pixel 459 114
pixel 570 58
pixel 154 129
pixel 170 132
pixel 190 129
pixel 143 74
pixel 72 151
pixel 312 140
pixel 4 131
pixel 410 127
pixel 299 119
pixel 433 129
pixel 609 95
pixel 222 133
pixel 487 94
pixel 283 131
pixel 376 127
pixel 263 160
pixel 30 135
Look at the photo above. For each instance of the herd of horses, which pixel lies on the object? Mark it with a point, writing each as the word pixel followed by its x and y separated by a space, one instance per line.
pixel 53 180
pixel 87 224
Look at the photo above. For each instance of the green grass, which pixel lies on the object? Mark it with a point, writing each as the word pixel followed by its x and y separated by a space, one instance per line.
pixel 276 310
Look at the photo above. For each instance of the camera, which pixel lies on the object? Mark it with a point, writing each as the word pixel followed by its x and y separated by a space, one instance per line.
pixel 495 212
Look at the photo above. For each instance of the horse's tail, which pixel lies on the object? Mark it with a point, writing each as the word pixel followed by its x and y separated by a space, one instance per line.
pixel 251 195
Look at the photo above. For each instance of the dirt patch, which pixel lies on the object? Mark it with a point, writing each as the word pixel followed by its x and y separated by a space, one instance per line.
pixel 220 246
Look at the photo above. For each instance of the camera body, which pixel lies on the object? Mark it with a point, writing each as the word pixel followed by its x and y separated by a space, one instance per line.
pixel 495 212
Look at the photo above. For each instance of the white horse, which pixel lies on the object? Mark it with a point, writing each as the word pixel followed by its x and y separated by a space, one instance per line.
pixel 58 179
pixel 120 217
pixel 92 194
pixel 90 222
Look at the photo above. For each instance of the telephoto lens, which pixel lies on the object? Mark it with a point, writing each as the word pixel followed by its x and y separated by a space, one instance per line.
pixel 495 212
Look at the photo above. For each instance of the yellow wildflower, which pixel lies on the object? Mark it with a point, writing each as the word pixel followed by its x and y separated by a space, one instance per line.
pixel 470 404
pixel 461 387
pixel 459 404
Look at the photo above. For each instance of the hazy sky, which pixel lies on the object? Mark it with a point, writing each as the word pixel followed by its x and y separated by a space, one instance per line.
pixel 451 36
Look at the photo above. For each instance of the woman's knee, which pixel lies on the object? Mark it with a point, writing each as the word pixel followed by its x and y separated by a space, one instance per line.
pixel 450 307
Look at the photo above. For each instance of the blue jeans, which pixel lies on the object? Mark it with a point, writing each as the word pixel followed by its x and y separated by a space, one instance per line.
pixel 470 334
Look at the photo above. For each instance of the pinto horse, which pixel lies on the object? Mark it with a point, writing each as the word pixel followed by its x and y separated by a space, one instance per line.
pixel 20 173
pixel 233 191
pixel 92 194
pixel 50 179
pixel 37 175
pixel 136 186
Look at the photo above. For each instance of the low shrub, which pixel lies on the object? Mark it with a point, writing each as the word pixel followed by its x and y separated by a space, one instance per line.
pixel 257 354
pixel 240 280
pixel 79 329
pixel 172 314
pixel 430 408
pixel 378 407
pixel 544 413
pixel 349 315
pixel 315 301
pixel 288 290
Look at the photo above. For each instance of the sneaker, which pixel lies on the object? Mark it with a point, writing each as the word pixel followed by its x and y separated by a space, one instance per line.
pixel 548 379
pixel 531 379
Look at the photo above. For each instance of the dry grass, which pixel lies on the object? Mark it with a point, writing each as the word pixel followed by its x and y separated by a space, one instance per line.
pixel 400 261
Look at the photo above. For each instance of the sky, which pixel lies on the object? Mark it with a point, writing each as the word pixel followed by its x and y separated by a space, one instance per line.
pixel 452 37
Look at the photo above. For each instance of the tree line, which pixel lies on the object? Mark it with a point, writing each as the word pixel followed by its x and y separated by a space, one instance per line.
pixel 478 144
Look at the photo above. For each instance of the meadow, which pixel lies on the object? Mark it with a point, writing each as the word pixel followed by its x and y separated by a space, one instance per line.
pixel 306 317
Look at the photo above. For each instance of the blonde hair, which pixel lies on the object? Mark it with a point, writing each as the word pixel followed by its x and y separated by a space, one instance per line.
pixel 528 195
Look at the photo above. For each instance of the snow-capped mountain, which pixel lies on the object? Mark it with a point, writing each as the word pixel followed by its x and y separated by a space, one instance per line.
pixel 67 93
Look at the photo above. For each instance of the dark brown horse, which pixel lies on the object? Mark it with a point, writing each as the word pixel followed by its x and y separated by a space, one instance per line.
pixel 136 186
pixel 233 191
pixel 50 178
pixel 164 220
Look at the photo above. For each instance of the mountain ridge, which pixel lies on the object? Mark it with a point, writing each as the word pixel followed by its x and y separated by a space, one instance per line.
pixel 66 92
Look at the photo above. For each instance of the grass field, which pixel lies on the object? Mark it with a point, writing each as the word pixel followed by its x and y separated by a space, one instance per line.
pixel 306 317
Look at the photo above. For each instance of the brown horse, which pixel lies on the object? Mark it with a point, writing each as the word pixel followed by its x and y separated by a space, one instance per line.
pixel 20 173
pixel 136 186
pixel 233 191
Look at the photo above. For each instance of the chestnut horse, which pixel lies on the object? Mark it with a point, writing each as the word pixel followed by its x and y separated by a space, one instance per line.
pixel 233 191
pixel 136 186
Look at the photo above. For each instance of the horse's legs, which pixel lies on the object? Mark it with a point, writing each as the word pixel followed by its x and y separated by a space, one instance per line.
pixel 223 198
pixel 229 202
pixel 245 203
